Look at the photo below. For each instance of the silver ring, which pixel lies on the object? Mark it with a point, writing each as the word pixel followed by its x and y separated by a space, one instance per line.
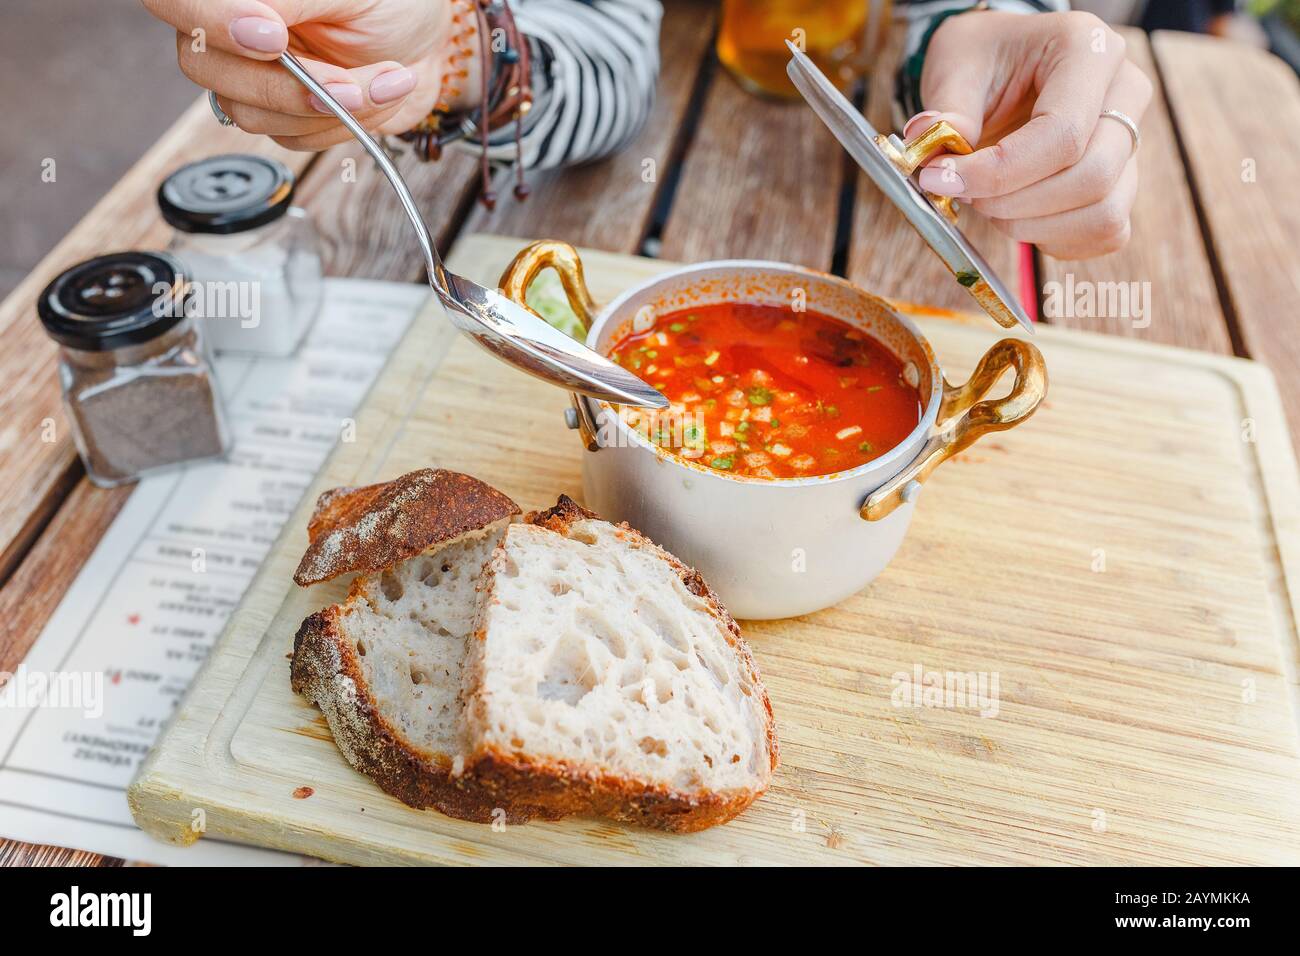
pixel 217 111
pixel 1127 122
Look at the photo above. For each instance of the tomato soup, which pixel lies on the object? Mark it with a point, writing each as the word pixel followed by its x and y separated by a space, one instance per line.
pixel 768 392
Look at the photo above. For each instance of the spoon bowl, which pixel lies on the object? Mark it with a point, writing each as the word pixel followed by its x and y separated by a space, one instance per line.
pixel 507 330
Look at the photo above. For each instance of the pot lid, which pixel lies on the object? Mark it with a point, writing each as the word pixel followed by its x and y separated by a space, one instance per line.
pixel 890 163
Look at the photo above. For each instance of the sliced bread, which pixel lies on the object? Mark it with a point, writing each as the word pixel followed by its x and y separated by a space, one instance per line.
pixel 370 529
pixel 385 666
pixel 606 677
pixel 496 670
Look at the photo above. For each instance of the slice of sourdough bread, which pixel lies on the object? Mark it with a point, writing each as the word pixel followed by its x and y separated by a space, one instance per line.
pixel 385 666
pixel 370 529
pixel 606 677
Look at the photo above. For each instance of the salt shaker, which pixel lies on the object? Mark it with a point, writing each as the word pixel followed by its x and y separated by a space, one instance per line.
pixel 252 255
pixel 135 371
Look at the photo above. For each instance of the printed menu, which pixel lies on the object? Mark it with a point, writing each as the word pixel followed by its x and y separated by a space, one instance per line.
pixel 79 715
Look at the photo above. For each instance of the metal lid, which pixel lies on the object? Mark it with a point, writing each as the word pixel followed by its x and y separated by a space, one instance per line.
pixel 124 298
pixel 225 194
pixel 890 163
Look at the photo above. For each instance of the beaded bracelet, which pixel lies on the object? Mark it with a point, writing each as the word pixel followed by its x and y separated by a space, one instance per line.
pixel 505 88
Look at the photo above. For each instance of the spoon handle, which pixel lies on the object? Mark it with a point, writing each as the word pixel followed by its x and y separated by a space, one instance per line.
pixel 506 329
pixel 437 274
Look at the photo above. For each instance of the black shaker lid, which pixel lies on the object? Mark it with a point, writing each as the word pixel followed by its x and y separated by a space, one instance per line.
pixel 225 194
pixel 123 298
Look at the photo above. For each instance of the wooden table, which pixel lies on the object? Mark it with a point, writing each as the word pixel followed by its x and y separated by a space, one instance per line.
pixel 716 173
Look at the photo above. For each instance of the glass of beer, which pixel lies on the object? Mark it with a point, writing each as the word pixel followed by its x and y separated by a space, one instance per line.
pixel 838 35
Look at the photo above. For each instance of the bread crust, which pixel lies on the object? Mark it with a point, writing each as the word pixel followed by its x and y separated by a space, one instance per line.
pixel 372 528
pixel 567 788
pixel 325 671
pixel 564 789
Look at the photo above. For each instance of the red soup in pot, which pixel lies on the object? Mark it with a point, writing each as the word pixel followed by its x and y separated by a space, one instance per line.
pixel 767 392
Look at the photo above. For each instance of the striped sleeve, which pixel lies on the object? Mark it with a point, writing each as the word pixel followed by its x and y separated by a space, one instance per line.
pixel 923 18
pixel 594 69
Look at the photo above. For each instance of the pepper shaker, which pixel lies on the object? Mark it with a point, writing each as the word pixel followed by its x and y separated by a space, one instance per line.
pixel 135 371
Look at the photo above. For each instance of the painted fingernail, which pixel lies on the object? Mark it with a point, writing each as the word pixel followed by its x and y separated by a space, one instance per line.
pixel 260 34
pixel 919 121
pixel 348 94
pixel 392 85
pixel 942 181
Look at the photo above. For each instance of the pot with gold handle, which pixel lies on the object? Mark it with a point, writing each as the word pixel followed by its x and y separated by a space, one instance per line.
pixel 775 548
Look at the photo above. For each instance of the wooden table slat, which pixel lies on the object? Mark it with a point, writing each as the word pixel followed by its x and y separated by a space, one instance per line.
pixel 609 204
pixel 761 180
pixel 35 474
pixel 364 234
pixel 44 482
pixel 1166 249
pixel 30 854
pixel 1238 114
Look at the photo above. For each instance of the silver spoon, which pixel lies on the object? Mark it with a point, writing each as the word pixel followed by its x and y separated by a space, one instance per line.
pixel 505 329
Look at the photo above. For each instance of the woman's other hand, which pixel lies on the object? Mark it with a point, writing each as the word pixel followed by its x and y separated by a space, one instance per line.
pixel 1030 90
pixel 382 59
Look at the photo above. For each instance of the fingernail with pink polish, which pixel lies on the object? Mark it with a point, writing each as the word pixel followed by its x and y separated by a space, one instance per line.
pixel 919 122
pixel 260 34
pixel 942 181
pixel 348 94
pixel 392 85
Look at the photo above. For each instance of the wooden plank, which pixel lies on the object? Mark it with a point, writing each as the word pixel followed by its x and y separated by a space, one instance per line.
pixel 609 204
pixel 1122 735
pixel 364 234
pixel 37 474
pixel 28 599
pixel 28 854
pixel 1237 110
pixel 886 256
pixel 761 180
pixel 37 585
pixel 1167 250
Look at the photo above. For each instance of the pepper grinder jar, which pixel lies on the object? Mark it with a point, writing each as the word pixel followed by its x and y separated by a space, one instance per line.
pixel 135 371
pixel 252 256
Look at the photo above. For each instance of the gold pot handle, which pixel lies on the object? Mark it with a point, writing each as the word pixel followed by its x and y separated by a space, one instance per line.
pixel 977 418
pixel 940 137
pixel 564 259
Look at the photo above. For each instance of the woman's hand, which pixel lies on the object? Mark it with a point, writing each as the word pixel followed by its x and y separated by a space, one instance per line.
pixel 1030 90
pixel 382 59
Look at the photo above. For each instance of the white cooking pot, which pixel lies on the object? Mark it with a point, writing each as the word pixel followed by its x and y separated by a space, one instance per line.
pixel 775 548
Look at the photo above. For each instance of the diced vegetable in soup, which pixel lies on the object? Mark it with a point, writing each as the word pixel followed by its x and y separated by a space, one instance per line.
pixel 768 392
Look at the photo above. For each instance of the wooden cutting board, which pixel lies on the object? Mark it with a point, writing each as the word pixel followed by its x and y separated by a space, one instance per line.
pixel 1125 566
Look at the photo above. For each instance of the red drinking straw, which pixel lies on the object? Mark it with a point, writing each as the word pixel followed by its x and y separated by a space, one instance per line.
pixel 1028 285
